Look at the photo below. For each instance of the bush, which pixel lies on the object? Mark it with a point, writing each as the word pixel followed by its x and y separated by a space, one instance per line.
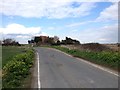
pixel 17 69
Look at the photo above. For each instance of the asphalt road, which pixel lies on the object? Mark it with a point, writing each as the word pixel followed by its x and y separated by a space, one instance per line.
pixel 58 70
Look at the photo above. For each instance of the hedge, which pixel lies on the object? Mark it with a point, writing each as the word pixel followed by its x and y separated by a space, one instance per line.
pixel 17 69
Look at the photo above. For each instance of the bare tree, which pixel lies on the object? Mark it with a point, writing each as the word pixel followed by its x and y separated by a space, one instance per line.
pixel 56 39
pixel 10 41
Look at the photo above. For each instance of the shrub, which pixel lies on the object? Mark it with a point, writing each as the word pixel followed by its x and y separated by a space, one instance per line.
pixel 17 69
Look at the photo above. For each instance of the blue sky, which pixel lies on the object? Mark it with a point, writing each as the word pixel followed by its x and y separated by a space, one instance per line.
pixel 84 21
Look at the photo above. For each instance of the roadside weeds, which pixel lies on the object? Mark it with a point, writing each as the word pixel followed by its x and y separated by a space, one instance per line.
pixel 94 64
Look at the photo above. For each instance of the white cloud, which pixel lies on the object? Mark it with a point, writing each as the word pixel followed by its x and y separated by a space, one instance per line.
pixel 42 34
pixel 22 36
pixel 75 24
pixel 106 34
pixel 110 13
pixel 20 32
pixel 19 29
pixel 45 8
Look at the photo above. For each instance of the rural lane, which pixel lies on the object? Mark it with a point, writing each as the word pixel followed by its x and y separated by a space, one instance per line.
pixel 58 70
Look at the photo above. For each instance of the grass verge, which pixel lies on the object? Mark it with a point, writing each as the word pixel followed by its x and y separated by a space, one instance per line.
pixel 16 70
pixel 105 58
pixel 9 52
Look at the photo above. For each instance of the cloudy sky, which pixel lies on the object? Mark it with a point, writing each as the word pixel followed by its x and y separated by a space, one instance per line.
pixel 93 21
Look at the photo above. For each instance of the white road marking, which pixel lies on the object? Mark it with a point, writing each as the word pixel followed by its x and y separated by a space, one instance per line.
pixel 92 64
pixel 100 67
pixel 39 83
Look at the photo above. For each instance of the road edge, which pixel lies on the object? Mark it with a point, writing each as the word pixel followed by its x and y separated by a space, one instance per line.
pixel 35 73
pixel 39 83
pixel 92 64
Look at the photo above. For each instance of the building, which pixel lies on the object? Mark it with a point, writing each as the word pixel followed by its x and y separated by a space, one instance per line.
pixel 44 39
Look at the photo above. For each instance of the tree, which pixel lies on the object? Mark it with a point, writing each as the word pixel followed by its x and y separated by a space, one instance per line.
pixel 63 42
pixel 30 41
pixel 70 41
pixel 58 42
pixel 7 41
pixel 56 38
pixel 10 41
pixel 37 39
pixel 51 40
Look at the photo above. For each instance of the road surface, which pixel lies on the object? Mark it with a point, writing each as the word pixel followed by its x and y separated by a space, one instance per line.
pixel 58 70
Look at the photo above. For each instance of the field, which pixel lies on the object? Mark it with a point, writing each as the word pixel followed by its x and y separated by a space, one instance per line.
pixel 94 47
pixel 6 54
pixel 16 64
pixel 10 51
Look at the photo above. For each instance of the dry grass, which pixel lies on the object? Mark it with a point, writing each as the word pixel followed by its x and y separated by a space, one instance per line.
pixel 112 46
pixel 93 47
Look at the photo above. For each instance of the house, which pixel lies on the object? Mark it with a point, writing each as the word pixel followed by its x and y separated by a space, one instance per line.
pixel 44 39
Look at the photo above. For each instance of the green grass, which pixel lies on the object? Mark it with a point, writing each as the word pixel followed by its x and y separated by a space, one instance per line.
pixel 16 72
pixel 105 58
pixel 16 63
pixel 6 53
pixel 10 51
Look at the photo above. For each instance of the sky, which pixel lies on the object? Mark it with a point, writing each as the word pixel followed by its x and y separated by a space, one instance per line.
pixel 93 21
